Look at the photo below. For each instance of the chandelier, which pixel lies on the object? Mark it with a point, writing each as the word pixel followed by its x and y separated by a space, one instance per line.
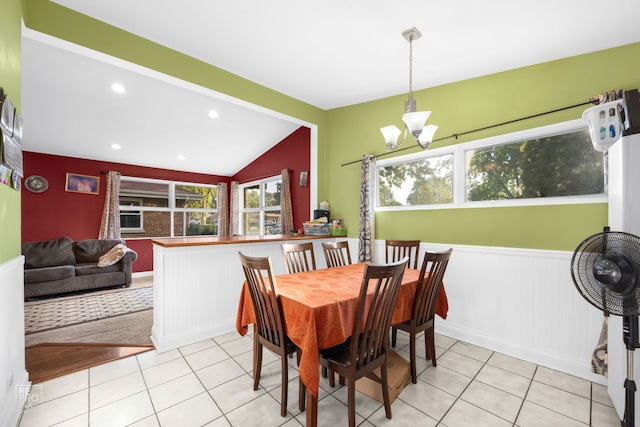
pixel 414 121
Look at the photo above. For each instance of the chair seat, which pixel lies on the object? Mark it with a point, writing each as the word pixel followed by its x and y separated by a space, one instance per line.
pixel 338 354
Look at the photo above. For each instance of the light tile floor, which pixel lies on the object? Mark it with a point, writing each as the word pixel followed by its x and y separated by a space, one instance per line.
pixel 210 383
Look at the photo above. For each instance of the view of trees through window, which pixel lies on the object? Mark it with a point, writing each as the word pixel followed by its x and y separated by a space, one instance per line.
pixel 260 211
pixel 555 166
pixel 422 182
pixel 554 161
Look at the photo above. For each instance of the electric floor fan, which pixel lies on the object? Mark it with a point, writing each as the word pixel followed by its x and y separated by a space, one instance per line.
pixel 605 268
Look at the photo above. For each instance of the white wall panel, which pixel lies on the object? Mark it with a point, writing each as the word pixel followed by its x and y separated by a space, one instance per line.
pixel 12 363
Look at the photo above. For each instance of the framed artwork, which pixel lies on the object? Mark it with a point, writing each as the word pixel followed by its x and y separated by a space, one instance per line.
pixel 304 178
pixel 86 184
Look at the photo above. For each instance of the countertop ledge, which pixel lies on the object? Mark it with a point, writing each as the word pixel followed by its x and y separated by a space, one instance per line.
pixel 174 242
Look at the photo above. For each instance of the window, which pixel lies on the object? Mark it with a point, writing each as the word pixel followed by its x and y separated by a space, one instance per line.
pixel 130 220
pixel 158 208
pixel 549 165
pixel 260 207
pixel 552 166
pixel 420 182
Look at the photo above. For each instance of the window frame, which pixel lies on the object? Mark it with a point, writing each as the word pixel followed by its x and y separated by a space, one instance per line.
pixel 171 204
pixel 262 209
pixel 459 152
pixel 138 211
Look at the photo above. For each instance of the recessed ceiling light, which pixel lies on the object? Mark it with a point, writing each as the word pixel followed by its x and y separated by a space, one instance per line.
pixel 181 157
pixel 117 87
pixel 213 114
pixel 116 146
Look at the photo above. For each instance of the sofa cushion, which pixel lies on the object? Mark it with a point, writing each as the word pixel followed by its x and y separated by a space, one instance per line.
pixel 47 274
pixel 90 250
pixel 49 253
pixel 112 256
pixel 90 268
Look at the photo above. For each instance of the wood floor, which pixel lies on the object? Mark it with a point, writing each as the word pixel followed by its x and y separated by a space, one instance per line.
pixel 48 361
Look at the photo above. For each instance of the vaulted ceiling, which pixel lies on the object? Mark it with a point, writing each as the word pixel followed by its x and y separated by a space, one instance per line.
pixel 328 54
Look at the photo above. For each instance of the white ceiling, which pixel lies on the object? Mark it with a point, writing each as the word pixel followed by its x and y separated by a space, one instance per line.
pixel 329 54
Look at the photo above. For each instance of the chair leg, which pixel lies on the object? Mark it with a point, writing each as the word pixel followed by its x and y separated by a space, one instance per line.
pixel 285 385
pixel 430 345
pixel 412 358
pixel 351 401
pixel 332 379
pixel 324 372
pixel 394 334
pixel 257 365
pixel 384 377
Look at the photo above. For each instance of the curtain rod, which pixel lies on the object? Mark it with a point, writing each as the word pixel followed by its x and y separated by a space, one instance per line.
pixel 456 135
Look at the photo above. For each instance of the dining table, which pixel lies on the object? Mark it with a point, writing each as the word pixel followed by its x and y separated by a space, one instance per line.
pixel 319 308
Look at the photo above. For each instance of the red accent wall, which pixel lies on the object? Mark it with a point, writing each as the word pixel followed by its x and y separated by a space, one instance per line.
pixel 56 213
pixel 294 153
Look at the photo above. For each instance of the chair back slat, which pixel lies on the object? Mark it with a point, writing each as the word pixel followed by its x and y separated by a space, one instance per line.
pixel 298 257
pixel 432 272
pixel 264 295
pixel 376 303
pixel 395 250
pixel 336 253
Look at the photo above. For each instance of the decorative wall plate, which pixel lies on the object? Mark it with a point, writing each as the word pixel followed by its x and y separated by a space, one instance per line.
pixel 36 184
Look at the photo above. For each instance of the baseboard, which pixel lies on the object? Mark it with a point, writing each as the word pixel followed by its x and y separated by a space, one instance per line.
pixel 142 274
pixel 11 410
pixel 166 343
pixel 557 362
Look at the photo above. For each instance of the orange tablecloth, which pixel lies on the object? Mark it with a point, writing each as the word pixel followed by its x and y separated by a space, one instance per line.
pixel 319 307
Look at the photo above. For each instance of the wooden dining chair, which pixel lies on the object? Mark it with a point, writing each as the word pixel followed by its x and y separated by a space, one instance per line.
pixel 366 349
pixel 298 257
pixel 269 326
pixel 336 253
pixel 395 250
pixel 432 271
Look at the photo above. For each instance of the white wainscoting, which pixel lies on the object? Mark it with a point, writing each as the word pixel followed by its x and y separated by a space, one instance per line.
pixel 520 302
pixel 12 362
pixel 197 288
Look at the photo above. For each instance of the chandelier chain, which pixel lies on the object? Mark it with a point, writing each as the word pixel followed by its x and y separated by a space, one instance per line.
pixel 411 64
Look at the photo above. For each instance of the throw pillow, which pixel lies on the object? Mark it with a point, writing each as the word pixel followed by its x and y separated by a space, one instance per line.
pixel 114 255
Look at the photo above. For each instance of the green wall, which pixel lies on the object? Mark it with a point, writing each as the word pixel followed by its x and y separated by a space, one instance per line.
pixel 471 104
pixel 345 134
pixel 10 80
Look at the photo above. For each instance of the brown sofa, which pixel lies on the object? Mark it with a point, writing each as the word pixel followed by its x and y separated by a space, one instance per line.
pixel 62 265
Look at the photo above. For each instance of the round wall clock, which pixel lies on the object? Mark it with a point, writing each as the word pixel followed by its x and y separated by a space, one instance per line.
pixel 36 184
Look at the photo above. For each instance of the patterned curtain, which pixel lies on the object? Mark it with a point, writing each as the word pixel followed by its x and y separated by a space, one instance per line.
pixel 367 214
pixel 285 202
pixel 110 224
pixel 234 212
pixel 223 210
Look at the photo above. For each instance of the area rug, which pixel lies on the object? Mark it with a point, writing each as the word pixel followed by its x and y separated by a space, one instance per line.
pixel 57 313
pixel 125 330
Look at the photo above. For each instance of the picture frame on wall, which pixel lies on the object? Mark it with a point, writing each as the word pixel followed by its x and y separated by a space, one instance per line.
pixel 304 178
pixel 86 184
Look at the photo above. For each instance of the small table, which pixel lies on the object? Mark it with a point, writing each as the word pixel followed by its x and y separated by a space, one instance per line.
pixel 319 307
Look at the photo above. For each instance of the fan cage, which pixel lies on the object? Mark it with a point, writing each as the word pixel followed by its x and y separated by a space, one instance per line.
pixel 613 243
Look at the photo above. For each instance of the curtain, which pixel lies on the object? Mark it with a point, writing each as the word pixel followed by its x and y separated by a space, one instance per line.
pixel 367 215
pixel 600 359
pixel 234 212
pixel 110 224
pixel 223 210
pixel 285 203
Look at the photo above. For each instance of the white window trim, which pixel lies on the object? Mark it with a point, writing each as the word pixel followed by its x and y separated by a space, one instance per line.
pixel 459 152
pixel 262 208
pixel 171 202
pixel 133 209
